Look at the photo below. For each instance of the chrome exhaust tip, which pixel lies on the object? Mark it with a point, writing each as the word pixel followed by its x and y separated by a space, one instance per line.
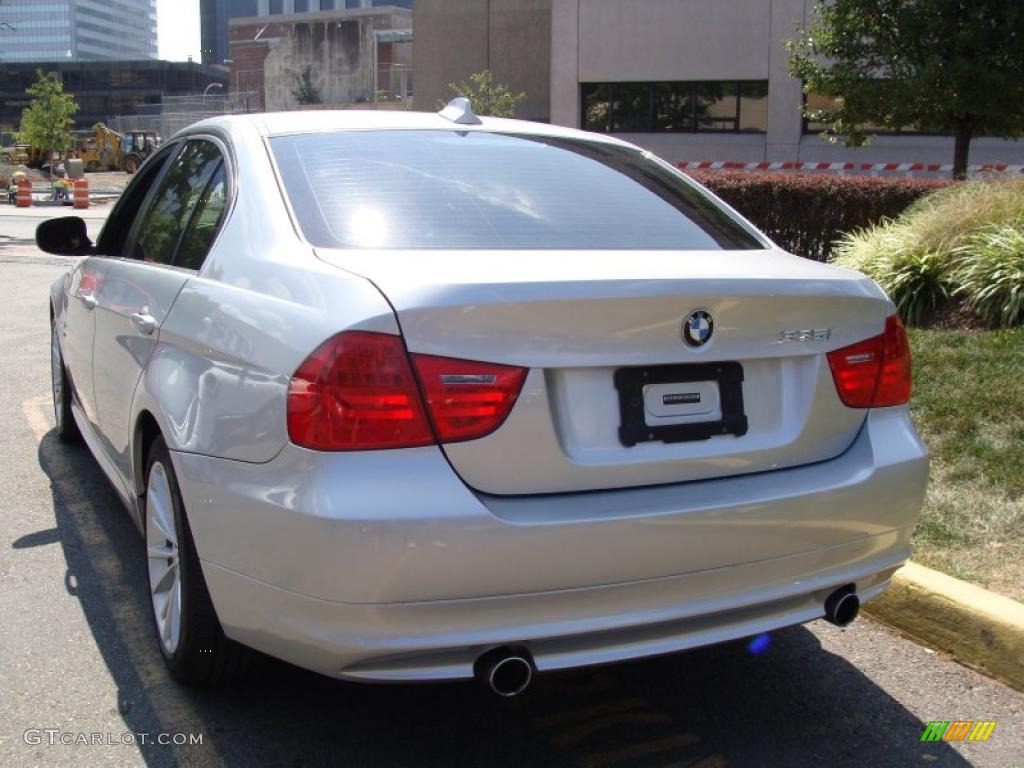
pixel 842 606
pixel 506 671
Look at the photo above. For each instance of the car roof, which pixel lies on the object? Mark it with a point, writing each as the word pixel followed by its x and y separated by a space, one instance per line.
pixel 329 121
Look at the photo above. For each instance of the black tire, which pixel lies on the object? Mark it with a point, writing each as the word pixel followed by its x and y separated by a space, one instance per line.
pixel 204 656
pixel 66 428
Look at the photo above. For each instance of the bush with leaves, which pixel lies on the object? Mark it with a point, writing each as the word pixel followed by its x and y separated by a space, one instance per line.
pixel 962 244
pixel 989 273
pixel 305 91
pixel 806 213
pixel 486 96
pixel 914 276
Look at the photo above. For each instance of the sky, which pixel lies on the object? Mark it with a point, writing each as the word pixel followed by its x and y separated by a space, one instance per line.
pixel 178 29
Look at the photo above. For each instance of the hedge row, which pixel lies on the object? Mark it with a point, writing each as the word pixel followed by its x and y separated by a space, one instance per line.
pixel 806 213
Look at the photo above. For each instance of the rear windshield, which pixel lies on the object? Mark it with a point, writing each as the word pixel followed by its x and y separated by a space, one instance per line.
pixel 472 189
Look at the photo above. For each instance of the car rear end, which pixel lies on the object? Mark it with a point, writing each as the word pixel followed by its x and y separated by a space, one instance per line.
pixel 612 419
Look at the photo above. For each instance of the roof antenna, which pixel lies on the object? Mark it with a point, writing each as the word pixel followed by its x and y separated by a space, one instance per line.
pixel 460 111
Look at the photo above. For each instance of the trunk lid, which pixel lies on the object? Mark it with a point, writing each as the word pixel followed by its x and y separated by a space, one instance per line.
pixel 575 318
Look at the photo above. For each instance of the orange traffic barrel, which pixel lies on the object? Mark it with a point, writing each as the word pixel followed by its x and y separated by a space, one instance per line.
pixel 80 196
pixel 24 193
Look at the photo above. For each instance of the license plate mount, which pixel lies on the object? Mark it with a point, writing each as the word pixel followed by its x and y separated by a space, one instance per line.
pixel 634 427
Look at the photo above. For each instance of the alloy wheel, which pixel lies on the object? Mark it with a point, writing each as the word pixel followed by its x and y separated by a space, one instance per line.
pixel 164 562
pixel 57 379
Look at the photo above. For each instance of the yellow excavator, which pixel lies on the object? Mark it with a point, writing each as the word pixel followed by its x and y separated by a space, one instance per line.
pixel 108 150
pixel 21 154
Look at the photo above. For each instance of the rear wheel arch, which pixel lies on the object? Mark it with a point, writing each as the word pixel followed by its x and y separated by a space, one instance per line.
pixel 147 430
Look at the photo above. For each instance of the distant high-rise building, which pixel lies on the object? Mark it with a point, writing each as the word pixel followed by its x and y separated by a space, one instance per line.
pixel 217 13
pixel 214 16
pixel 78 30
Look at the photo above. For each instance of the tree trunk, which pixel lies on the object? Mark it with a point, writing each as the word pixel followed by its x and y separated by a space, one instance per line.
pixel 961 151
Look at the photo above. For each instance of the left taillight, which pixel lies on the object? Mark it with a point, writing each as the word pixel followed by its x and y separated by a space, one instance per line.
pixel 876 372
pixel 357 391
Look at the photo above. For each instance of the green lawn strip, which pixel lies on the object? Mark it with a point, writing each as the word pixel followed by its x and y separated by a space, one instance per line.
pixel 968 403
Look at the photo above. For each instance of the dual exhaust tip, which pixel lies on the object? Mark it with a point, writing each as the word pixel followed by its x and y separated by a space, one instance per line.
pixel 508 671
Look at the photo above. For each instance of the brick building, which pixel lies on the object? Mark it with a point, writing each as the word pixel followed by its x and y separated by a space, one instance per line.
pixel 353 56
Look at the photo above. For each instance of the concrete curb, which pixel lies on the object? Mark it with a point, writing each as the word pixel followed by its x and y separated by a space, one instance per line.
pixel 980 629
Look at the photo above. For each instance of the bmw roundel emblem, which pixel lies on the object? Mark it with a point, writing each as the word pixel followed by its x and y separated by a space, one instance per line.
pixel 697 328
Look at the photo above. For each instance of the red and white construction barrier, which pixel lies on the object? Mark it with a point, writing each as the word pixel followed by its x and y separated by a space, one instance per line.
pixel 729 165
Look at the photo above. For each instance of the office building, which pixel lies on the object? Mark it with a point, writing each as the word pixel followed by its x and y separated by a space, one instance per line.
pixel 214 17
pixel 105 89
pixel 78 30
pixel 691 80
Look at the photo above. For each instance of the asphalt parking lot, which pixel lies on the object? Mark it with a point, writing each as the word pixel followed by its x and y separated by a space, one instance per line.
pixel 77 656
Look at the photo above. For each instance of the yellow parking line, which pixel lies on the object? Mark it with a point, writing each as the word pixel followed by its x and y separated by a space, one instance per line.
pixel 32 408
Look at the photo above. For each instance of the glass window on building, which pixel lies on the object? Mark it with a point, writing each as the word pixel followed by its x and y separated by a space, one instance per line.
pixel 754 106
pixel 682 107
pixel 717 106
pixel 673 107
pixel 596 107
pixel 818 102
pixel 815 102
pixel 631 107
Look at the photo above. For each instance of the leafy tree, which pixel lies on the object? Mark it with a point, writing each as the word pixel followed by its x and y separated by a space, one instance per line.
pixel 305 92
pixel 45 123
pixel 944 66
pixel 486 96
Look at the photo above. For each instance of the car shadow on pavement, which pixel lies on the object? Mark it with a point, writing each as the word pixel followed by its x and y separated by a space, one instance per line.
pixel 792 704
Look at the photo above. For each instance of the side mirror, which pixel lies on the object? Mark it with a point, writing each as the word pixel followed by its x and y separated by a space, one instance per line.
pixel 66 236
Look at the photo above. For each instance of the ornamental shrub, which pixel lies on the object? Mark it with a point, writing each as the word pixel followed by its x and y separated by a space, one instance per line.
pixel 807 213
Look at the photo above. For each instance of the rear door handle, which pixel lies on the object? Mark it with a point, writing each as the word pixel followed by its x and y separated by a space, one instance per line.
pixel 89 300
pixel 145 323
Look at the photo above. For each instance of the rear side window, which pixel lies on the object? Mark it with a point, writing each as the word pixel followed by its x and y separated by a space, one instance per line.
pixel 180 191
pixel 472 189
pixel 206 219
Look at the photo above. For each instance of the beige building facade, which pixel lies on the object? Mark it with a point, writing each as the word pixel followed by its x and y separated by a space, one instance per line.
pixel 691 80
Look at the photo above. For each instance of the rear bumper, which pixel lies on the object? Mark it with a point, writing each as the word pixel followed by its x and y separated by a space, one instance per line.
pixel 385 566
pixel 440 640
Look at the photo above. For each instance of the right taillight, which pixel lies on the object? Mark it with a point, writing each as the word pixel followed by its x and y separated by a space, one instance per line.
pixel 876 372
pixel 357 391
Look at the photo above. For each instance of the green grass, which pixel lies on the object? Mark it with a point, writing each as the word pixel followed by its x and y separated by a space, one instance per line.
pixel 968 404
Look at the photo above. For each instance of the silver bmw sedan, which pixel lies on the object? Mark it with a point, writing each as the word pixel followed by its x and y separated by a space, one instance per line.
pixel 407 397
